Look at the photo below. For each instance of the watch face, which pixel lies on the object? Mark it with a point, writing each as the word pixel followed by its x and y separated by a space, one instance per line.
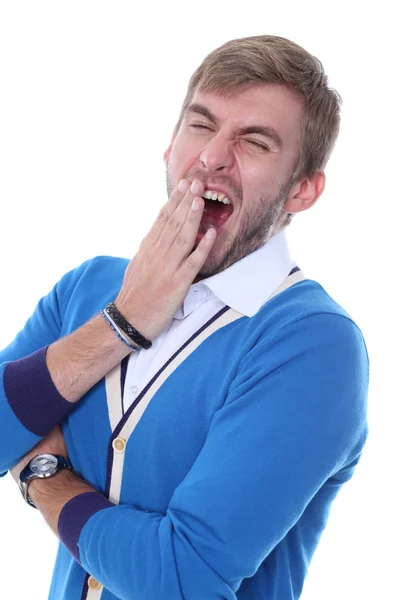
pixel 44 464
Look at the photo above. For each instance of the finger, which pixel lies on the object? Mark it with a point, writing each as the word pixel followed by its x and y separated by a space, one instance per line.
pixel 172 234
pixel 166 212
pixel 194 262
pixel 182 245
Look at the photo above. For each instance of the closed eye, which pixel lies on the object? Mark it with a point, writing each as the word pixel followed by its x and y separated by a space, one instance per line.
pixel 256 144
pixel 261 146
pixel 200 126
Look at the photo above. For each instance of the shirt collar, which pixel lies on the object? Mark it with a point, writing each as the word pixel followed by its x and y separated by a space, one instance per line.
pixel 198 294
pixel 247 284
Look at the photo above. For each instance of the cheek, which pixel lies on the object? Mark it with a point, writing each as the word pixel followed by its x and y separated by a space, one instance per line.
pixel 260 179
pixel 185 154
pixel 177 164
pixel 181 152
pixel 254 183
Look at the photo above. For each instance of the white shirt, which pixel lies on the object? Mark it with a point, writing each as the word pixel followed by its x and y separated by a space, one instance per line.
pixel 244 286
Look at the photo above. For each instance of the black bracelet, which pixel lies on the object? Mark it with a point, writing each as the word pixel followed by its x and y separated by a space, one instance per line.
pixel 126 327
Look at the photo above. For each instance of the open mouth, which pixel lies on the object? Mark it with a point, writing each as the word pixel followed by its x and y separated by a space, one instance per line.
pixel 216 212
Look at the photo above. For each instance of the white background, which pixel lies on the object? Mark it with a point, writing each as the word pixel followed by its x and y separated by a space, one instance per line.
pixel 89 95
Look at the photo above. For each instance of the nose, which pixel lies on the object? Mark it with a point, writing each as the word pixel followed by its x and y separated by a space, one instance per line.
pixel 217 154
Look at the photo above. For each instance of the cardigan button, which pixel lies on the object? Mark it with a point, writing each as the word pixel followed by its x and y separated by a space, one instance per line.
pixel 119 444
pixel 94 584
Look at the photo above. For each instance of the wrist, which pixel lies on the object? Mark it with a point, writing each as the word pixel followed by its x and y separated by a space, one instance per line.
pixel 124 329
pixel 112 340
pixel 42 466
pixel 137 318
pixel 51 495
pixel 41 488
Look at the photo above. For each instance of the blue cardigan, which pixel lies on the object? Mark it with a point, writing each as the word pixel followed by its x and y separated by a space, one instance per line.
pixel 218 481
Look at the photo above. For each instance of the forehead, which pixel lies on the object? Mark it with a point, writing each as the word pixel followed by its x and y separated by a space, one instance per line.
pixel 270 105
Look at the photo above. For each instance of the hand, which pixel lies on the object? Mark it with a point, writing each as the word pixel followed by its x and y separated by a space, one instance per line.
pixel 53 443
pixel 158 278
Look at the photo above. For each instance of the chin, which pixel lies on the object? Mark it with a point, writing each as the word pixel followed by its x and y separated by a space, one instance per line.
pixel 212 266
pixel 216 261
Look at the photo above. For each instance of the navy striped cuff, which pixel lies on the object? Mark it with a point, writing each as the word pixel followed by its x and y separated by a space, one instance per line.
pixel 73 516
pixel 32 395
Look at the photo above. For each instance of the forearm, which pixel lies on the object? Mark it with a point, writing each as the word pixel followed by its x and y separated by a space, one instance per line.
pixel 139 548
pixel 78 361
pixel 39 390
pixel 49 496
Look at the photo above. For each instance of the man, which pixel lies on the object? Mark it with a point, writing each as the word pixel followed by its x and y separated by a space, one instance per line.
pixel 212 400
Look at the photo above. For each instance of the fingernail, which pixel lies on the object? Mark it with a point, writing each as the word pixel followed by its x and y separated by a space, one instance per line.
pixel 183 185
pixel 195 187
pixel 195 205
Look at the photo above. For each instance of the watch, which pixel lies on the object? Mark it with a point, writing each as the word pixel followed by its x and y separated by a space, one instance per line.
pixel 41 466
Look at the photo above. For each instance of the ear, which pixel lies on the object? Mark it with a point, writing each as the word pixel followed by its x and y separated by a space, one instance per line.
pixel 305 193
pixel 168 150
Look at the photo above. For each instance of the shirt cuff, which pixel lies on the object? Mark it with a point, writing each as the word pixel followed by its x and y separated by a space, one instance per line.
pixel 32 395
pixel 73 516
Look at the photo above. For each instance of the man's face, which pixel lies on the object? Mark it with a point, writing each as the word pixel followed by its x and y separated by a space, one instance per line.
pixel 245 147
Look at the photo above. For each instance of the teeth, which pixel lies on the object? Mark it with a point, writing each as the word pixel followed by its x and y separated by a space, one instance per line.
pixel 212 195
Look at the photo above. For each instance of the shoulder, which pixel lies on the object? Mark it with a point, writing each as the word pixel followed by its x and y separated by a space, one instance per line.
pixel 307 301
pixel 306 320
pixel 89 286
pixel 106 269
pixel 105 266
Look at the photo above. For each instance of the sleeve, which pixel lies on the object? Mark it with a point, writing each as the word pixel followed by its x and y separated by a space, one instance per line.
pixel 30 405
pixel 289 423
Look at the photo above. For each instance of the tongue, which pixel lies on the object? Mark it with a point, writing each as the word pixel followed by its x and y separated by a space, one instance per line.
pixel 215 214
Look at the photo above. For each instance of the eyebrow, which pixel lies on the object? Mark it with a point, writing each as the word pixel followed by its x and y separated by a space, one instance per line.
pixel 268 132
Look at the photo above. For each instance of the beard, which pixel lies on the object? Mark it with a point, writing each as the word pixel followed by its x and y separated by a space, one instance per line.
pixel 256 227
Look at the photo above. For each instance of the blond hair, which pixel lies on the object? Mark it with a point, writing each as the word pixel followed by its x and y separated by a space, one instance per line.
pixel 241 63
